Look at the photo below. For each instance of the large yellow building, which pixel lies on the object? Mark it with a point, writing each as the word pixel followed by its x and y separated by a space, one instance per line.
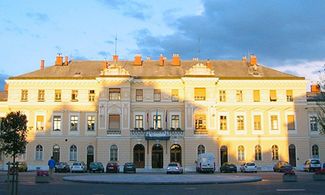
pixel 154 112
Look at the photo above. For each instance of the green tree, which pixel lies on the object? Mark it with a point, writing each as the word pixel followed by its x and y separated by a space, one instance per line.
pixel 321 102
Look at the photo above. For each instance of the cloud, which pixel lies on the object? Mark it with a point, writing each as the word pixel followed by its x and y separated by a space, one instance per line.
pixel 104 54
pixel 276 31
pixel 129 8
pixel 109 42
pixel 38 17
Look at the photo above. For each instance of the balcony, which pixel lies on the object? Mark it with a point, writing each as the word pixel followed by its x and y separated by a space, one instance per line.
pixel 200 131
pixel 114 132
pixel 157 134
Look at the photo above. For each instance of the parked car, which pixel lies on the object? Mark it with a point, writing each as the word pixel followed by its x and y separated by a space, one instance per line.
pixel 228 168
pixel 282 166
pixel 112 167
pixel 248 167
pixel 96 167
pixel 205 163
pixel 62 167
pixel 174 167
pixel 312 165
pixel 129 167
pixel 79 167
pixel 22 167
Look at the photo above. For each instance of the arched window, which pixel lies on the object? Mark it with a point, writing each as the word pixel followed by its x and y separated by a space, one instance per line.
pixel 275 152
pixel 315 151
pixel 73 153
pixel 200 149
pixel 39 152
pixel 113 152
pixel 258 152
pixel 241 153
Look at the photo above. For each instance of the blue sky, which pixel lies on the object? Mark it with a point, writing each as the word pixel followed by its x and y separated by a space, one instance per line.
pixel 286 35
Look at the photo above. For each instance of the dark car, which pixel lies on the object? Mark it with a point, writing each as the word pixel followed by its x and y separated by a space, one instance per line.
pixel 96 167
pixel 129 167
pixel 112 167
pixel 282 166
pixel 62 167
pixel 228 168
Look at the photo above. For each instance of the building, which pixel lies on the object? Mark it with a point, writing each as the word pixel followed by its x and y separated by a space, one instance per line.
pixel 152 112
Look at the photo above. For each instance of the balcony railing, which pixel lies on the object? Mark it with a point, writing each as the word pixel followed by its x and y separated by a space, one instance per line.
pixel 113 131
pixel 200 131
pixel 155 134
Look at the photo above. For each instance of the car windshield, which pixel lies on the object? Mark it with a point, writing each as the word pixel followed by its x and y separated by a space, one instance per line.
pixel 76 164
pixel 250 164
pixel 172 165
pixel 315 162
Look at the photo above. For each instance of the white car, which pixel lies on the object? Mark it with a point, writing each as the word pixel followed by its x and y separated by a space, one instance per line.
pixel 174 167
pixel 312 165
pixel 79 167
pixel 248 167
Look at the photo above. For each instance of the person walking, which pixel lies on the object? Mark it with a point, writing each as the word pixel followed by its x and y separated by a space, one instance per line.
pixel 51 164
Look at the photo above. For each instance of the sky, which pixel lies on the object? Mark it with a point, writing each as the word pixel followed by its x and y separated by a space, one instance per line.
pixel 286 35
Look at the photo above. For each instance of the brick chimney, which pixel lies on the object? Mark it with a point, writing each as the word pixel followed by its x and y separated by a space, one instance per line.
pixel 161 60
pixel 208 64
pixel 66 60
pixel 253 60
pixel 244 60
pixel 315 88
pixel 137 60
pixel 176 61
pixel 6 87
pixel 42 65
pixel 59 60
pixel 105 65
pixel 115 58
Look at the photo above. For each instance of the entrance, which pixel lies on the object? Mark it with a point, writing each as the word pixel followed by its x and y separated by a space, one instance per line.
pixel 292 155
pixel 56 153
pixel 90 155
pixel 223 154
pixel 157 156
pixel 176 153
pixel 138 156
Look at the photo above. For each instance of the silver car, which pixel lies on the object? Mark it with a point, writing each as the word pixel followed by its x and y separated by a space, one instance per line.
pixel 174 167
pixel 248 167
pixel 79 167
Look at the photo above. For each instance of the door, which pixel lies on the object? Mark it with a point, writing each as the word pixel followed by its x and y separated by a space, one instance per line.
pixel 56 153
pixel 138 156
pixel 176 153
pixel 157 156
pixel 223 154
pixel 292 155
pixel 90 155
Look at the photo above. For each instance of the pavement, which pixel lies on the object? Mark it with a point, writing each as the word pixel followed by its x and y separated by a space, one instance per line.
pixel 162 179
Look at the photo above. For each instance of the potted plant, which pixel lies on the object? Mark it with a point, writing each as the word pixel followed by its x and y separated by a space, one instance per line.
pixel 289 176
pixel 319 175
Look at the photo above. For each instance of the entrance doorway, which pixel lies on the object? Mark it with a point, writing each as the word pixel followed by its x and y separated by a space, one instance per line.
pixel 138 156
pixel 90 155
pixel 56 153
pixel 176 153
pixel 157 156
pixel 223 154
pixel 292 155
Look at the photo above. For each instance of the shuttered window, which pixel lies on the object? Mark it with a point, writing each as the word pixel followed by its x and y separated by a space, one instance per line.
pixel 174 95
pixel 139 95
pixel 114 122
pixel 257 122
pixel 199 94
pixel 256 94
pixel 291 122
pixel 273 96
pixel 289 95
pixel 40 123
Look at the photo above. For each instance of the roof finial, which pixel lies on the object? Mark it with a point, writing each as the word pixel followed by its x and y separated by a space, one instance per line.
pixel 115 44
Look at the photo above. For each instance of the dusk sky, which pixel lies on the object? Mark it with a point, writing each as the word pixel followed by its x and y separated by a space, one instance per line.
pixel 286 35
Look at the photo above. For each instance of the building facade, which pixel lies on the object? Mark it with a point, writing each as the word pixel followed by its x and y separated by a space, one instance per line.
pixel 152 112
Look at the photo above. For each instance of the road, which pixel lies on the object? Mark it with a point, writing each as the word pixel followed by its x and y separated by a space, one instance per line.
pixel 271 184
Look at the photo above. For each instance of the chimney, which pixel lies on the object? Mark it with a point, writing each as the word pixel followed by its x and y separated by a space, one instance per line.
pixel 315 88
pixel 42 65
pixel 176 61
pixel 161 60
pixel 59 60
pixel 6 87
pixel 244 60
pixel 253 60
pixel 115 58
pixel 208 64
pixel 66 60
pixel 105 65
pixel 137 60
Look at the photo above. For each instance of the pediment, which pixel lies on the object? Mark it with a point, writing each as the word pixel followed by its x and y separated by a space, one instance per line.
pixel 200 69
pixel 114 70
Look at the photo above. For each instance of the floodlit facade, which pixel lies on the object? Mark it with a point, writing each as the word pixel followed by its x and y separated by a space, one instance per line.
pixel 152 112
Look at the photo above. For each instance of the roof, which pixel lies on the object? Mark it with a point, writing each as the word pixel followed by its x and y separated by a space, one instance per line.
pixel 3 96
pixel 230 69
pixel 315 96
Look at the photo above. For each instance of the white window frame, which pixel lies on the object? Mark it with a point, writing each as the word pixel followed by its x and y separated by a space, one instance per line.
pixel 295 120
pixel 244 131
pixel 257 132
pixel 151 121
pixel 41 154
pixel 86 123
pixel 144 116
pixel 78 128
pixel 310 131
pixel 240 160
pixel 69 157
pixel 255 152
pixel 276 131
pixel 223 132
pixel 39 113
pixel 52 123
pixel 169 118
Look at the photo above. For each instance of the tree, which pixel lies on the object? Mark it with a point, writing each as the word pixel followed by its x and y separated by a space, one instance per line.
pixel 321 102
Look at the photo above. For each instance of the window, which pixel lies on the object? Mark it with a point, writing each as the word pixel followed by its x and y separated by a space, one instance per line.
pixel 289 96
pixel 175 121
pixel 223 122
pixel 74 95
pixel 239 95
pixel 113 153
pixel 275 152
pixel 257 122
pixel 313 123
pixel 39 152
pixel 73 153
pixel 291 122
pixel 200 149
pixel 222 96
pixel 114 122
pixel 91 96
pixel 315 151
pixel 41 95
pixel 174 95
pixel 199 94
pixel 241 153
pixel 258 152
pixel 274 122
pixel 57 95
pixel 40 125
pixel 139 95
pixel 273 97
pixel 57 123
pixel 240 122
pixel 114 93
pixel 157 121
pixel 156 95
pixel 256 96
pixel 138 121
pixel 24 95
pixel 200 122
pixel 74 119
pixel 91 123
